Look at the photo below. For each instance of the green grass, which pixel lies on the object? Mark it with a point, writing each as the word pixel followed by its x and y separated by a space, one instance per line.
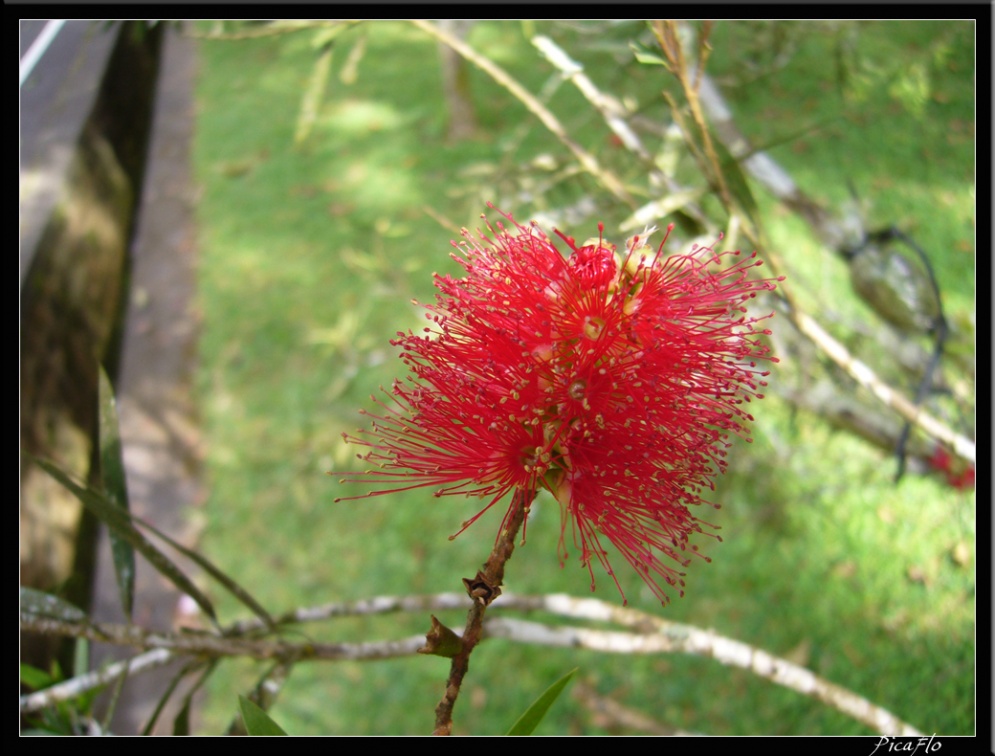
pixel 310 257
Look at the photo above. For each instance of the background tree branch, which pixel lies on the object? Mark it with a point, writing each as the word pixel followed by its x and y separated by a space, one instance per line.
pixel 649 635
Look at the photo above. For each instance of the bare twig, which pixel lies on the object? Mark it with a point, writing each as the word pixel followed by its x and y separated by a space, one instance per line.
pixel 615 116
pixel 963 447
pixel 650 635
pixel 669 38
pixel 376 605
pixel 218 646
pixel 670 637
pixel 764 169
pixel 78 685
pixel 550 121
pixel 609 107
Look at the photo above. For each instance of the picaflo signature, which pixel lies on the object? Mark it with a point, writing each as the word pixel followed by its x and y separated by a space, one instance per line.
pixel 907 745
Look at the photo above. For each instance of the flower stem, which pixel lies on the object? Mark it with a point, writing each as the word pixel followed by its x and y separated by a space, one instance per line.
pixel 493 576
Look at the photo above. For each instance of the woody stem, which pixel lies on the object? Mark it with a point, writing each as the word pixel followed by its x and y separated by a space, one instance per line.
pixel 492 575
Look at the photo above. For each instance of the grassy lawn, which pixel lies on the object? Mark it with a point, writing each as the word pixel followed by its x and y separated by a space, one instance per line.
pixel 311 255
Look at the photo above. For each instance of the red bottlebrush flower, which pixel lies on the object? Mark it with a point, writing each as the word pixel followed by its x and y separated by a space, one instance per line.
pixel 613 380
pixel 960 475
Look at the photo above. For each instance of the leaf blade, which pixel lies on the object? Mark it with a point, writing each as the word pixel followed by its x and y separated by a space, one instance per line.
pixel 117 519
pixel 208 566
pixel 115 488
pixel 532 716
pixel 646 56
pixel 43 604
pixel 257 721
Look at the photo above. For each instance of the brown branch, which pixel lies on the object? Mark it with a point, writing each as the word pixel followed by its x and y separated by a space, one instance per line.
pixel 484 589
pixel 668 36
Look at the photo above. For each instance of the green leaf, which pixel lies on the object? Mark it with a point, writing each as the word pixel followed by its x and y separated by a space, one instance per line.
pixel 125 520
pixel 181 725
pixel 205 564
pixel 81 657
pixel 735 179
pixel 173 683
pixel 120 521
pixel 647 56
pixel 112 480
pixel 264 693
pixel 35 678
pixel 527 723
pixel 43 604
pixel 161 703
pixel 257 721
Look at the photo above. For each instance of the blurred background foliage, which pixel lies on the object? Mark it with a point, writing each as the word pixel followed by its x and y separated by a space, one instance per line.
pixel 329 192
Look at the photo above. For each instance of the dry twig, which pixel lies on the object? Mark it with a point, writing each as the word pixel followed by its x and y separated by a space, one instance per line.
pixel 649 634
pixel 550 121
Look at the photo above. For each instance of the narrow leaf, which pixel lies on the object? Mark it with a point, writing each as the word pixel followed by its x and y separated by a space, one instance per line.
pixel 114 697
pixel 35 678
pixel 313 95
pixel 205 564
pixel 647 56
pixel 264 693
pixel 739 188
pixel 181 725
pixel 120 521
pixel 81 657
pixel 42 604
pixel 161 703
pixel 257 721
pixel 112 480
pixel 527 723
pixel 173 683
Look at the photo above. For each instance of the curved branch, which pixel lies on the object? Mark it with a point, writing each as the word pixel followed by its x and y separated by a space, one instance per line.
pixel 362 608
pixel 219 646
pixel 690 640
pixel 550 121
pixel 962 446
pixel 615 116
pixel 64 691
pixel 652 635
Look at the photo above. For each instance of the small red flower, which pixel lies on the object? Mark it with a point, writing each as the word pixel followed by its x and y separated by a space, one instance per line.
pixel 959 474
pixel 612 380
